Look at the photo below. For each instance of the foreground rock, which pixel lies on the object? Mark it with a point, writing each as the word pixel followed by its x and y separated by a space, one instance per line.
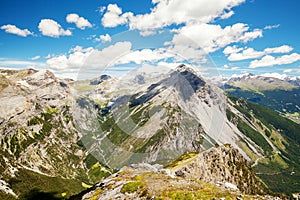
pixel 184 179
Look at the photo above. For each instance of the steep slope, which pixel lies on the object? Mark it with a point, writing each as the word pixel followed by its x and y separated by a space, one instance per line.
pixel 157 123
pixel 279 139
pixel 181 113
pixel 37 137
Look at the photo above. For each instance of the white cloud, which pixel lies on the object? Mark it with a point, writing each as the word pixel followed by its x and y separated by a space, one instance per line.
pixel 236 54
pixel 281 49
pixel 21 63
pixel 275 75
pixel 145 55
pixel 89 58
pixel 248 36
pixel 119 53
pixel 165 13
pixel 101 9
pixel 49 56
pixel 227 15
pixel 80 22
pixel 212 37
pixel 248 53
pixel 9 28
pixel 51 28
pixel 35 57
pixel 288 70
pixel 271 26
pixel 147 32
pixel 268 61
pixel 114 17
pixel 231 50
pixel 58 63
pixel 104 38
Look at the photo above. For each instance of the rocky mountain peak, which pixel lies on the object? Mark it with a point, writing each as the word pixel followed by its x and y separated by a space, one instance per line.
pixel 99 79
pixel 40 78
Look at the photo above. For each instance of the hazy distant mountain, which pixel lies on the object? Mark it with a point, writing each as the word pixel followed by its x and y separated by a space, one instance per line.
pixel 282 95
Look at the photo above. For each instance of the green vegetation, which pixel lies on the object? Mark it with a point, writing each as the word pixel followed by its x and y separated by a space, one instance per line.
pixel 132 187
pixel 96 194
pixel 96 173
pixel 183 157
pixel 208 192
pixel 248 131
pixel 90 160
pixel 96 170
pixel 255 136
pixel 281 172
pixel 29 184
pixel 5 196
pixel 280 100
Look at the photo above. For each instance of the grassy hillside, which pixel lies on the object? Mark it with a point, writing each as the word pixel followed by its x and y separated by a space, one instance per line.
pixel 286 101
pixel 31 185
pixel 281 170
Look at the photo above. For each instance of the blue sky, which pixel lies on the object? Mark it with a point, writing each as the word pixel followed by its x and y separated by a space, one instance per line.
pixel 227 36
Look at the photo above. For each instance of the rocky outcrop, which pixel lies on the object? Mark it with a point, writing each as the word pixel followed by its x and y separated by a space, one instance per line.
pixel 223 166
pixel 187 180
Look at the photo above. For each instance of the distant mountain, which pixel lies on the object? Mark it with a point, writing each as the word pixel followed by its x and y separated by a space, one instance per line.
pixel 258 84
pixel 100 79
pixel 282 95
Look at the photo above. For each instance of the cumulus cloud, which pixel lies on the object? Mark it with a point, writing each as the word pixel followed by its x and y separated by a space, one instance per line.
pixel 35 57
pixel 212 37
pixel 80 22
pixel 232 49
pixel 145 55
pixel 281 49
pixel 119 53
pixel 236 54
pixel 9 28
pixel 104 38
pixel 248 53
pixel 275 75
pixel 51 28
pixel 227 15
pixel 165 13
pixel 89 57
pixel 114 17
pixel 268 61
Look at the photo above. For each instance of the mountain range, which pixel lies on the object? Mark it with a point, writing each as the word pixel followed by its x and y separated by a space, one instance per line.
pixel 115 138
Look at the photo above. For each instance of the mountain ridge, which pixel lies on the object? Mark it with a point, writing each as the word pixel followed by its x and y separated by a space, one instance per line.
pixel 87 136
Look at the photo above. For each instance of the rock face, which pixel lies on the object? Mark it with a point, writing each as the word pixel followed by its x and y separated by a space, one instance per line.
pixel 36 130
pixel 221 165
pixel 188 180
